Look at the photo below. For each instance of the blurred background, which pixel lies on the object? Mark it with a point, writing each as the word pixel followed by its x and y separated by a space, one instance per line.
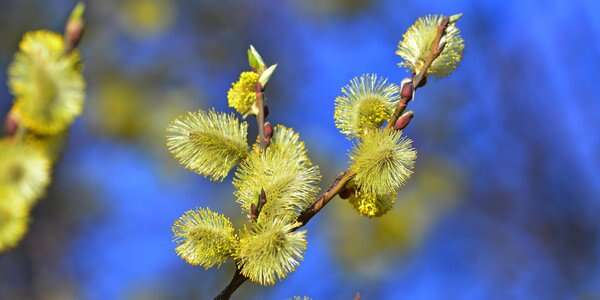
pixel 504 202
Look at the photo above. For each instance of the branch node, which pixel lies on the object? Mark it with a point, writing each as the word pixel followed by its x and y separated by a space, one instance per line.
pixel 256 208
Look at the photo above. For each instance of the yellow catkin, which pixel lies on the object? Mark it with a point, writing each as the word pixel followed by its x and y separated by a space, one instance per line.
pixel 208 143
pixel 24 172
pixel 364 105
pixel 372 205
pixel 382 161
pixel 47 84
pixel 13 222
pixel 242 94
pixel 204 238
pixel 415 46
pixel 268 251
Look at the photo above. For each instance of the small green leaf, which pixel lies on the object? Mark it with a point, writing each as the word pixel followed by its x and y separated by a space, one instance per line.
pixel 266 75
pixel 77 13
pixel 255 60
pixel 456 17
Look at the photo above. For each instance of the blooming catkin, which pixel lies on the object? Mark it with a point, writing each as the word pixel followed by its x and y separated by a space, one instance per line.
pixel 283 171
pixel 204 237
pixel 242 94
pixel 208 143
pixel 269 250
pixel 24 172
pixel 366 103
pixel 416 44
pixel 46 82
pixel 372 205
pixel 382 161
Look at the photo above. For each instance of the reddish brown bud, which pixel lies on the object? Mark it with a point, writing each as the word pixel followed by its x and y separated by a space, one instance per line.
pixel 262 198
pixel 407 90
pixel 73 34
pixel 74 28
pixel 346 192
pixel 11 124
pixel 253 215
pixel 268 130
pixel 403 121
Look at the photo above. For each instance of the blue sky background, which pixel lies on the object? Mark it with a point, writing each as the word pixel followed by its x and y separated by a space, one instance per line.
pixel 504 203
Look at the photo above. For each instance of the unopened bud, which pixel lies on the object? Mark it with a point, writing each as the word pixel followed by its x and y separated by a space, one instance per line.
pixel 73 35
pixel 404 120
pixel 406 91
pixel 11 124
pixel 262 198
pixel 268 130
pixel 253 215
pixel 75 27
pixel 346 192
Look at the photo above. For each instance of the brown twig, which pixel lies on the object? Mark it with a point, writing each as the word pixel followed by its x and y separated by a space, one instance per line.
pixel 334 189
pixel 407 91
pixel 260 117
pixel 237 280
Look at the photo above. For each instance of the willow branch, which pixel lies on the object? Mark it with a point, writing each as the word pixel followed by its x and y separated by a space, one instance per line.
pixel 341 180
